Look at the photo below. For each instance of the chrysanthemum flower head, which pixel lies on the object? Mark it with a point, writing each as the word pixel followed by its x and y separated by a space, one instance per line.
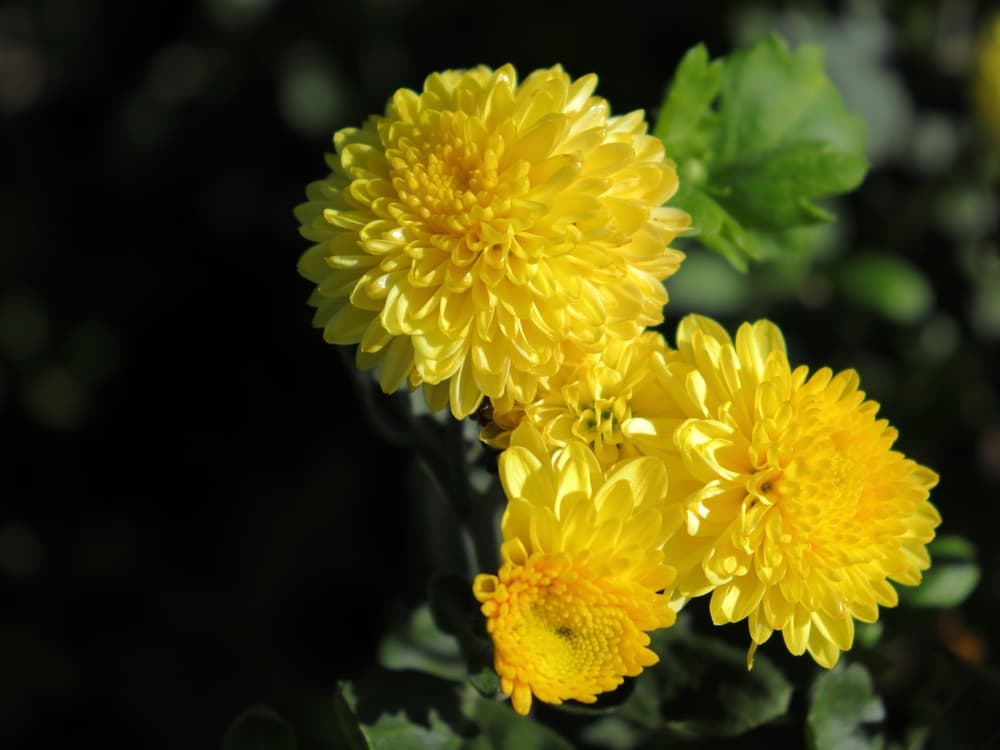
pixel 583 574
pixel 479 224
pixel 611 401
pixel 798 511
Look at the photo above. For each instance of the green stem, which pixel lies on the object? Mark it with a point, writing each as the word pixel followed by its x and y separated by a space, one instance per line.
pixel 477 509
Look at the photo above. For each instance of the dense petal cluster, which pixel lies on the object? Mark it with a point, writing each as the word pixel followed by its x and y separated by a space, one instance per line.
pixel 463 238
pixel 611 401
pixel 798 513
pixel 583 574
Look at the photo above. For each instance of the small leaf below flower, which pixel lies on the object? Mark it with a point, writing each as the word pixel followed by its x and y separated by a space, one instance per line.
pixel 842 701
pixel 702 688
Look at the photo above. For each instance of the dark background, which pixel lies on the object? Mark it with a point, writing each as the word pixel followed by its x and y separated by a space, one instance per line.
pixel 194 516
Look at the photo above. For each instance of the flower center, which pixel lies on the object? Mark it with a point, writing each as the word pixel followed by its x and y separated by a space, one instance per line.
pixel 832 461
pixel 824 502
pixel 599 422
pixel 601 404
pixel 560 630
pixel 452 188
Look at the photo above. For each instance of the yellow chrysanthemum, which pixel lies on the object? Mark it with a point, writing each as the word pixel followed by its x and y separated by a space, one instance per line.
pixel 479 224
pixel 986 83
pixel 798 511
pixel 583 572
pixel 611 401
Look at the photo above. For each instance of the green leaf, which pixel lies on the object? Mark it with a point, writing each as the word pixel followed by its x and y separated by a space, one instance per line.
pixel 485 681
pixel 407 710
pixel 887 284
pixel 346 723
pixel 503 729
pixel 259 728
pixel 419 644
pixel 715 228
pixel 702 688
pixel 952 547
pixel 612 732
pixel 395 732
pixel 945 586
pixel 952 577
pixel 686 118
pixel 842 701
pixel 771 189
pixel 773 97
pixel 868 634
pixel 778 139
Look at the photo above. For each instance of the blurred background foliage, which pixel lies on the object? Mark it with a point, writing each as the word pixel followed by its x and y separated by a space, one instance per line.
pixel 195 515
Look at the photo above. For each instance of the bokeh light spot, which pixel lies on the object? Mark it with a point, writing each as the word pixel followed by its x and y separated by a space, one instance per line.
pixel 312 96
pixel 934 143
pixel 888 285
pixel 940 337
pixel 92 351
pixel 237 15
pixel 985 311
pixel 22 67
pixel 24 326
pixel 20 551
pixel 56 399
pixel 177 73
